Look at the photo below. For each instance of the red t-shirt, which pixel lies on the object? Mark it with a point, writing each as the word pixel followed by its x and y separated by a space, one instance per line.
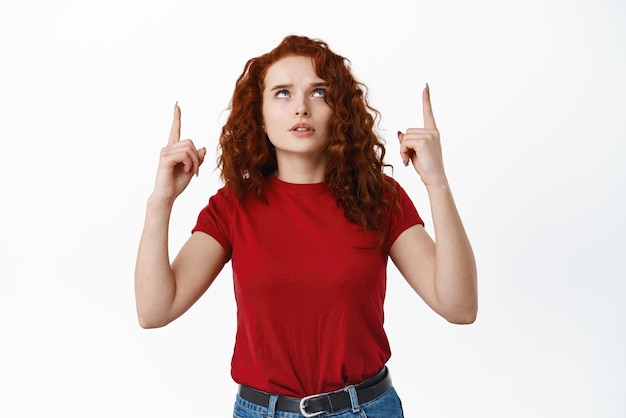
pixel 309 285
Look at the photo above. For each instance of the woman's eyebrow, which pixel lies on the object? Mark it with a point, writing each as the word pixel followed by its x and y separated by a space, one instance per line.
pixel 288 86
pixel 281 87
pixel 320 84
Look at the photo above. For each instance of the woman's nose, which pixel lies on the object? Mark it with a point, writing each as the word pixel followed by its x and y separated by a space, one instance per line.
pixel 302 109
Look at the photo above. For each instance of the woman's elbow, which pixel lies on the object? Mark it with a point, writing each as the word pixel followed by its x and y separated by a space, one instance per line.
pixel 463 317
pixel 147 324
pixel 147 321
pixel 464 320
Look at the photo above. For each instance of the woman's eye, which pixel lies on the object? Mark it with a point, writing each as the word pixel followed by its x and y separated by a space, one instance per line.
pixel 319 93
pixel 282 93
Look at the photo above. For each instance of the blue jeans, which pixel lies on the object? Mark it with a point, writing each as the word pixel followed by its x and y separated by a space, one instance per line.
pixel 387 405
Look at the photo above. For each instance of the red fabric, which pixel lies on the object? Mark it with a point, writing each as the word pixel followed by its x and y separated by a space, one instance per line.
pixel 309 285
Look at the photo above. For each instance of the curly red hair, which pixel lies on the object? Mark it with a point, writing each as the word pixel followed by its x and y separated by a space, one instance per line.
pixel 355 152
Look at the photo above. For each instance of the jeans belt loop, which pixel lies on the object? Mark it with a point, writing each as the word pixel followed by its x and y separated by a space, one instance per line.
pixel 354 398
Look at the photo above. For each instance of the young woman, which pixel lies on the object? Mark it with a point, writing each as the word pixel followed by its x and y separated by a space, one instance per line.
pixel 308 220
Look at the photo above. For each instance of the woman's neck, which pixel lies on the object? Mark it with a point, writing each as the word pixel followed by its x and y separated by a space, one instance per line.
pixel 301 170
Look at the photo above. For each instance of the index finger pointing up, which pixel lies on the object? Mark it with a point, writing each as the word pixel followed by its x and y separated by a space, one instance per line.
pixel 429 118
pixel 175 131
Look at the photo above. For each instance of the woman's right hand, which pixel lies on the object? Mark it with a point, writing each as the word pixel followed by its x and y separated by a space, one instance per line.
pixel 179 161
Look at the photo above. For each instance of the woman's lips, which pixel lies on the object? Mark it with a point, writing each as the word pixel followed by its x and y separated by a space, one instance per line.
pixel 302 129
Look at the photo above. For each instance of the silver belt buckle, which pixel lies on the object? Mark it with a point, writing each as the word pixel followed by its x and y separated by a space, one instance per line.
pixel 302 407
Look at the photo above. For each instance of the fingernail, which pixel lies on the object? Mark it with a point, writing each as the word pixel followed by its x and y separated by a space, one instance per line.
pixel 197 171
pixel 427 88
pixel 176 105
pixel 406 163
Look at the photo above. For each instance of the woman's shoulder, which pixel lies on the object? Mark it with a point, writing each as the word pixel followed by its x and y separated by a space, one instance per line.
pixel 223 198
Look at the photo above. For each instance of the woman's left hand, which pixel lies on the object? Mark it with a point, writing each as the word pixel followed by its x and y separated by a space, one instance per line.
pixel 422 147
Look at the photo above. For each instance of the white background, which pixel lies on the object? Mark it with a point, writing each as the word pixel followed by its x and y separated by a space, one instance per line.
pixel 529 97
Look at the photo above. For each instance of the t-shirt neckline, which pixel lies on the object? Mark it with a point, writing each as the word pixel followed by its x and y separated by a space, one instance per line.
pixel 279 184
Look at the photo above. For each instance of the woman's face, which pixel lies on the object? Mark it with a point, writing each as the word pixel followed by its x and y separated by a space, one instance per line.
pixel 296 116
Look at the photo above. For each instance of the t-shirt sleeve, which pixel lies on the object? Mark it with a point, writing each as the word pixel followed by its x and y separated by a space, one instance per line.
pixel 406 218
pixel 216 218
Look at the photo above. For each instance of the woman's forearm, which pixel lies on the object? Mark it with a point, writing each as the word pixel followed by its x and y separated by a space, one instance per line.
pixel 455 266
pixel 155 286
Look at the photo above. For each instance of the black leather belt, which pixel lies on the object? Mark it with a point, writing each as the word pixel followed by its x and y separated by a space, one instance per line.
pixel 311 406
